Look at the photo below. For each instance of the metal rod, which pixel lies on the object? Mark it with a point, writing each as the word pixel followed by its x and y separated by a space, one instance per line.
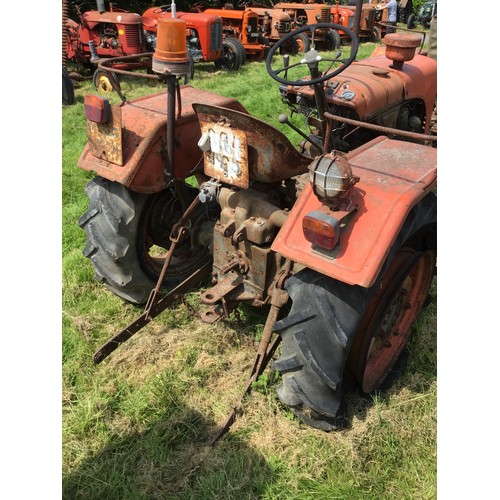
pixel 169 166
pixel 380 128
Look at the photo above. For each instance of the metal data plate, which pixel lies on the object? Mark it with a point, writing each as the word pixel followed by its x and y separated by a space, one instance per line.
pixel 105 139
pixel 227 157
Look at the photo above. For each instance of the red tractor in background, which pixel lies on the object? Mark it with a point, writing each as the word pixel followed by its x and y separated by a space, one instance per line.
pixel 347 237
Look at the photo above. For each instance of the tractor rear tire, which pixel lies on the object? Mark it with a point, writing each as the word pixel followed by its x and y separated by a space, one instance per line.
pixel 233 55
pixel 291 47
pixel 68 91
pixel 332 40
pixel 328 317
pixel 411 21
pixel 127 237
pixel 375 35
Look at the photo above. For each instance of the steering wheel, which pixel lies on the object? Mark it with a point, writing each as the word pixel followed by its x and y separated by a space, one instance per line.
pixel 312 57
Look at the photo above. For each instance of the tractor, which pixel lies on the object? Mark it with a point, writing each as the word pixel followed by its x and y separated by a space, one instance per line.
pixel 339 248
pixel 204 40
pixel 103 34
pixel 424 15
pixel 241 28
pixel 303 14
pixel 371 96
pixel 275 24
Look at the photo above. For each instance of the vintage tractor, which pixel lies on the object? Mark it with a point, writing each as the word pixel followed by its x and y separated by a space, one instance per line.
pixel 104 34
pixel 275 24
pixel 347 240
pixel 344 17
pixel 423 16
pixel 303 14
pixel 242 26
pixel 396 89
pixel 371 14
pixel 204 40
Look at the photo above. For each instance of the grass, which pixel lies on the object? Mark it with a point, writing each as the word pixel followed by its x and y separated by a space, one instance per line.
pixel 138 426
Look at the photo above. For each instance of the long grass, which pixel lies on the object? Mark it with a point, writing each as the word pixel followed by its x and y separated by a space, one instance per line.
pixel 139 425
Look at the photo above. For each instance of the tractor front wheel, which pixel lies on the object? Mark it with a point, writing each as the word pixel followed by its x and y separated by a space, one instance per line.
pixel 233 55
pixel 102 81
pixel 303 42
pixel 127 237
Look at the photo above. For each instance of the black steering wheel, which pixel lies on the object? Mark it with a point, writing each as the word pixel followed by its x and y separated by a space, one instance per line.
pixel 312 57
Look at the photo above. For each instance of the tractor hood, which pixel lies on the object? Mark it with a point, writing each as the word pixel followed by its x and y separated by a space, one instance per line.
pixel 372 85
pixel 93 18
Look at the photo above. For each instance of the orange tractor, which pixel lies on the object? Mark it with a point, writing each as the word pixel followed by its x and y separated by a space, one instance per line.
pixel 338 247
pixel 204 40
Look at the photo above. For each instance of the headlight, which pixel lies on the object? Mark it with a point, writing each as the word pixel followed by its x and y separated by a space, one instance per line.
pixel 331 178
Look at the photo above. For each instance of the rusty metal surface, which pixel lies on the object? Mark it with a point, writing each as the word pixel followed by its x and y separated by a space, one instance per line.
pixel 144 123
pixel 271 156
pixel 384 130
pixel 227 158
pixel 394 176
pixel 105 139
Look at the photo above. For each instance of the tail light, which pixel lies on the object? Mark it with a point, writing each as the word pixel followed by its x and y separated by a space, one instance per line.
pixel 321 229
pixel 97 109
pixel 332 181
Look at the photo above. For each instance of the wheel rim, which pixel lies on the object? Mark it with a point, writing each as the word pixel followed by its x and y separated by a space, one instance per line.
pixel 387 326
pixel 302 45
pixel 228 59
pixel 103 84
pixel 161 214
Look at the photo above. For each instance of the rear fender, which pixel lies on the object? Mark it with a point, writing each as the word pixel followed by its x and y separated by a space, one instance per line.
pixel 394 177
pixel 132 149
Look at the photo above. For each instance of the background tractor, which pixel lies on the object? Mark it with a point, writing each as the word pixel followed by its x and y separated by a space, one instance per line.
pixel 204 39
pixel 424 15
pixel 338 247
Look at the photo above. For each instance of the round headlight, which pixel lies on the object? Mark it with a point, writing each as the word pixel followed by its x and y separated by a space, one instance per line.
pixel 331 178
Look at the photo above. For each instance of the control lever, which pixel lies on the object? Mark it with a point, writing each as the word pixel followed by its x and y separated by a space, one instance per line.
pixel 282 118
pixel 286 63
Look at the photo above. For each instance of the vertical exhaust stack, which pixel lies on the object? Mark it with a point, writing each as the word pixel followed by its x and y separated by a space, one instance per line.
pixel 100 6
pixel 94 57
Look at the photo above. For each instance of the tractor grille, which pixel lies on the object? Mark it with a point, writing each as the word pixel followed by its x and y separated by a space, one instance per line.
pixel 133 35
pixel 216 36
pixel 325 15
pixel 252 22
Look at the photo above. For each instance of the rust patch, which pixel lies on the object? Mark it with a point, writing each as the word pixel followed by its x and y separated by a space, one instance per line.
pixel 105 139
pixel 226 158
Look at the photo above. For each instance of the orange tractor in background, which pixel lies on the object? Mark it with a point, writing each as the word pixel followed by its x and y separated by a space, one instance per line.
pixel 338 246
pixel 204 38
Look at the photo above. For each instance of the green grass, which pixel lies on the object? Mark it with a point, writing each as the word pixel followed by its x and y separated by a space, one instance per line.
pixel 138 426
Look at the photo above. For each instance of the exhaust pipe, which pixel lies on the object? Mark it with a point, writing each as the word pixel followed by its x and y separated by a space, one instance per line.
pixel 93 52
pixel 100 6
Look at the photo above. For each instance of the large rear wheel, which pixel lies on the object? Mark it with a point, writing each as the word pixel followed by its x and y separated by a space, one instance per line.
pixel 335 330
pixel 128 236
